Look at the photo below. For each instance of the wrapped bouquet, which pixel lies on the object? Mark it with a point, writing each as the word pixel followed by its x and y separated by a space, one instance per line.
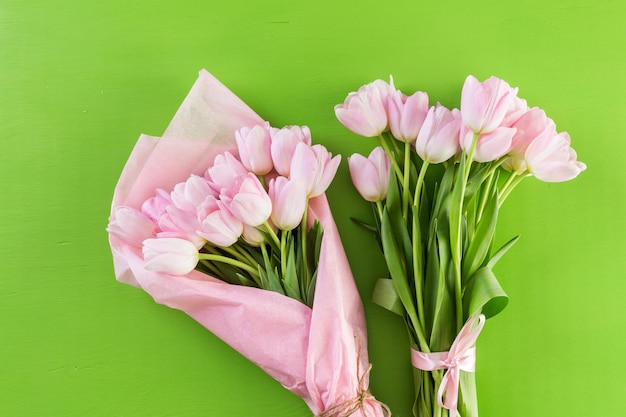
pixel 225 218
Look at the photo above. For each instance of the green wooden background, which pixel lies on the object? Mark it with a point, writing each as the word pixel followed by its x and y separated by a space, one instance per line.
pixel 80 80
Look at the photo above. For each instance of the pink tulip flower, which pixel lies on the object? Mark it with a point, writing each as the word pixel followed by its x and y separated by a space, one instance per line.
pixel 484 105
pixel 550 158
pixel 179 223
pixel 284 142
pixel 131 225
pixel 364 112
pixel 155 206
pixel 438 139
pixel 248 201
pixel 406 115
pixel 315 167
pixel 190 194
pixel 220 227
pixel 370 175
pixel 516 111
pixel 254 148
pixel 289 200
pixel 489 146
pixel 226 172
pixel 252 235
pixel 170 255
pixel 529 126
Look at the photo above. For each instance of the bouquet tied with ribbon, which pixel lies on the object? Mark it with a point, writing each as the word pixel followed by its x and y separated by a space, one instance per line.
pixel 225 218
pixel 436 189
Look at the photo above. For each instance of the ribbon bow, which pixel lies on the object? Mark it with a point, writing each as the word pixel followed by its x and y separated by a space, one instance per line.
pixel 460 357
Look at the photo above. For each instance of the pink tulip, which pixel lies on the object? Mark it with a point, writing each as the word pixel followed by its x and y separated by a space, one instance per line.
pixel 438 139
pixel 529 126
pixel 516 111
pixel 315 167
pixel 190 194
pixel 289 199
pixel 284 142
pixel 131 225
pixel 550 158
pixel 155 206
pixel 254 148
pixel 220 227
pixel 226 172
pixel 489 146
pixel 252 235
pixel 406 115
pixel 170 255
pixel 370 175
pixel 484 105
pixel 179 223
pixel 364 112
pixel 248 201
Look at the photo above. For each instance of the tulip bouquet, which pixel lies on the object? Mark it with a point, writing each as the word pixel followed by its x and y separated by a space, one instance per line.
pixel 225 218
pixel 436 188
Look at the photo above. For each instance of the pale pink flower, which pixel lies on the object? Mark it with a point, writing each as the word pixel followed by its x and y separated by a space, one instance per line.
pixel 190 194
pixel 155 206
pixel 529 126
pixel 179 223
pixel 406 114
pixel 364 112
pixel 220 227
pixel 284 142
pixel 550 158
pixel 252 235
pixel 289 199
pixel 370 175
pixel 248 201
pixel 438 139
pixel 518 108
pixel 484 105
pixel 131 225
pixel 489 146
pixel 315 167
pixel 254 148
pixel 170 255
pixel 226 172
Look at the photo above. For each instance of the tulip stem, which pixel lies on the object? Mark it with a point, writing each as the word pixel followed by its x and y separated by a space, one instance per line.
pixel 509 186
pixel 303 239
pixel 391 156
pixel 418 264
pixel 457 251
pixel 230 261
pixel 272 234
pixel 405 180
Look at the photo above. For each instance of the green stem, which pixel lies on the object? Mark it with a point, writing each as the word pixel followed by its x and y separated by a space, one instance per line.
pixel 379 207
pixel 391 156
pixel 405 180
pixel 272 234
pixel 485 195
pixel 230 261
pixel 418 263
pixel 303 242
pixel 283 254
pixel 510 184
pixel 457 251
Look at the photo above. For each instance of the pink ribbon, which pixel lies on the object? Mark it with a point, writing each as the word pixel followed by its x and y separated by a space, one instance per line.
pixel 460 357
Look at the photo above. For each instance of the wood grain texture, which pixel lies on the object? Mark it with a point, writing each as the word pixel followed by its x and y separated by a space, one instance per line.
pixel 79 81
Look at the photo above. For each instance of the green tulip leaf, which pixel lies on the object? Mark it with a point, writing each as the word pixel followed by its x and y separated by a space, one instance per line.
pixel 483 294
pixel 386 296
pixel 500 252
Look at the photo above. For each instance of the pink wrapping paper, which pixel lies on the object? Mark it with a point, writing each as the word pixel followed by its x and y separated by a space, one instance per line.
pixel 320 354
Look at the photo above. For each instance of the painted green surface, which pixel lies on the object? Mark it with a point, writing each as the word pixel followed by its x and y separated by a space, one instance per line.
pixel 80 80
